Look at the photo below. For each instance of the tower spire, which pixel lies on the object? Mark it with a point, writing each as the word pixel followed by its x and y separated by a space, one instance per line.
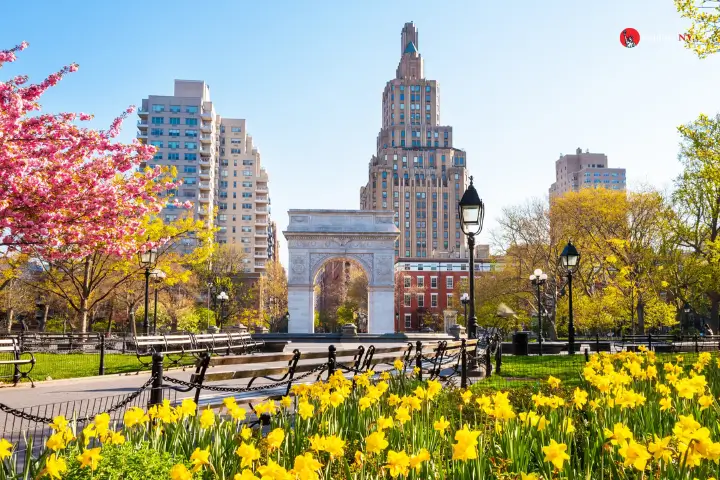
pixel 409 39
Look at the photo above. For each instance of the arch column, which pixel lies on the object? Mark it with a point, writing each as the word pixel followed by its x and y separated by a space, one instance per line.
pixel 300 307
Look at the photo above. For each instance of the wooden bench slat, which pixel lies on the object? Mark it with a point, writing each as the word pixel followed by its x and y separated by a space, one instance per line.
pixel 246 359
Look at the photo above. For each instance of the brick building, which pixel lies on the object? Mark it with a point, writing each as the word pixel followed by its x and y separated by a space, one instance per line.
pixel 425 287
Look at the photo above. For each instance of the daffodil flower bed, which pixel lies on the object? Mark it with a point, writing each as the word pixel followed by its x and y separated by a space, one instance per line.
pixel 633 418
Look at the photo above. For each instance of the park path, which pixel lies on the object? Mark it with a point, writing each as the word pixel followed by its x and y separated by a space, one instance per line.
pixel 80 389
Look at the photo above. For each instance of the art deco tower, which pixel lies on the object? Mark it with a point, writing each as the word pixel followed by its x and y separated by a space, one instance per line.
pixel 417 172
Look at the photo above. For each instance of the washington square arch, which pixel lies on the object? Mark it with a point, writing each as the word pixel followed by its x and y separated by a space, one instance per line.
pixel 367 238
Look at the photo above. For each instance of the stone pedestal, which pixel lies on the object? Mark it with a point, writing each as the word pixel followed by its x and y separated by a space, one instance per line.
pixel 261 330
pixel 349 330
pixel 457 331
pixel 242 328
pixel 450 317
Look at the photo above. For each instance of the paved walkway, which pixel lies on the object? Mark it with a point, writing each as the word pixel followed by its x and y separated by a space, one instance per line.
pixel 83 389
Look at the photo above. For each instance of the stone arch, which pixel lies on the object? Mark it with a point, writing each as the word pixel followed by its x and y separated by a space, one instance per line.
pixel 316 236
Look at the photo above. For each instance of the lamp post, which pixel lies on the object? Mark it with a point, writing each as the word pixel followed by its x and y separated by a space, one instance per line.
pixel 538 278
pixel 686 310
pixel 465 299
pixel 569 262
pixel 147 260
pixel 222 298
pixel 472 213
pixel 157 275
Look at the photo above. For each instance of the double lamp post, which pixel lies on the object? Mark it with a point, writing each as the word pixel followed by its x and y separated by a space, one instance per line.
pixel 569 261
pixel 148 260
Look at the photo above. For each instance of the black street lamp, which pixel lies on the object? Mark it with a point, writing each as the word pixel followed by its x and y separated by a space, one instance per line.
pixel 569 262
pixel 465 299
pixel 472 213
pixel 222 298
pixel 538 278
pixel 147 260
pixel 686 310
pixel 157 275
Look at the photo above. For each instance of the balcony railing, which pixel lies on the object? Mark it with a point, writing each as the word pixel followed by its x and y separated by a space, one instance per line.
pixel 205 185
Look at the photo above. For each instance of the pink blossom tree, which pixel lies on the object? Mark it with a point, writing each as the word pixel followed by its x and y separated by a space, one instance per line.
pixel 68 192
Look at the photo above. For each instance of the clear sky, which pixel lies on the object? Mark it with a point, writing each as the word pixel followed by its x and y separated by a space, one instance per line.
pixel 521 81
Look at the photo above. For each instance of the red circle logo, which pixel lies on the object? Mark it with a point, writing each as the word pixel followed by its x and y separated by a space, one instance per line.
pixel 629 38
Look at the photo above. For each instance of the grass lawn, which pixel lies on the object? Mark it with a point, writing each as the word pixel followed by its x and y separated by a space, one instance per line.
pixel 531 370
pixel 77 365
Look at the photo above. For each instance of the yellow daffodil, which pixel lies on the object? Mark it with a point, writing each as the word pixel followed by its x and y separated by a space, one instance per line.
pixel 375 442
pixel 556 453
pixel 200 458
pixel 275 438
pixel 398 463
pixel 248 454
pixel 180 472
pixel 90 458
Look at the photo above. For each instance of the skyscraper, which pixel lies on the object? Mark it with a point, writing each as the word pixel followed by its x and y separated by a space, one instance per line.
pixel 417 172
pixel 218 164
pixel 585 170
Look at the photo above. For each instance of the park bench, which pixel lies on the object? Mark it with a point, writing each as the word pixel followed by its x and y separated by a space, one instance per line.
pixel 293 367
pixel 173 347
pixel 9 346
pixel 227 343
pixel 441 361
pixel 671 343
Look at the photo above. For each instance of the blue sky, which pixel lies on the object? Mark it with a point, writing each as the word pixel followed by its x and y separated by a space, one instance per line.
pixel 520 84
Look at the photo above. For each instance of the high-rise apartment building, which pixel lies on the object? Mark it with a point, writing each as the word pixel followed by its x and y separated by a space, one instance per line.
pixel 417 172
pixel 218 164
pixel 585 170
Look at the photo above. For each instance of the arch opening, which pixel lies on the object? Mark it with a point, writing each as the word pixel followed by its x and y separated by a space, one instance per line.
pixel 340 295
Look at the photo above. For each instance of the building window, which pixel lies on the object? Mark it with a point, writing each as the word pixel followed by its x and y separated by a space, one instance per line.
pixel 189 181
pixel 421 281
pixel 173 144
pixel 247 206
pixel 190 145
pixel 407 282
pixel 449 299
pixel 175 108
pixel 156 144
pixel 235 151
pixel 191 109
pixel 189 169
pixel 156 132
pixel 433 300
pixel 433 282
pixel 235 129
pixel 174 132
pixel 158 108
pixel 174 121
pixel 191 133
pixel 191 157
pixel 449 282
pixel 421 300
pixel 408 320
pixel 191 121
pixel 157 120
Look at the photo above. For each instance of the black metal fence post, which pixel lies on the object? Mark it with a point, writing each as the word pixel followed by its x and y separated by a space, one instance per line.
pixel 597 343
pixel 498 355
pixel 488 358
pixel 463 363
pixel 332 359
pixel 587 355
pixel 418 359
pixel 156 392
pixel 102 354
pixel 650 341
pixel 697 347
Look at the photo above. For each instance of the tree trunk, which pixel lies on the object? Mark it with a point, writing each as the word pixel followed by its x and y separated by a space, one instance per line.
pixel 641 317
pixel 10 317
pixel 714 311
pixel 44 319
pixel 131 319
pixel 110 315
pixel 83 315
